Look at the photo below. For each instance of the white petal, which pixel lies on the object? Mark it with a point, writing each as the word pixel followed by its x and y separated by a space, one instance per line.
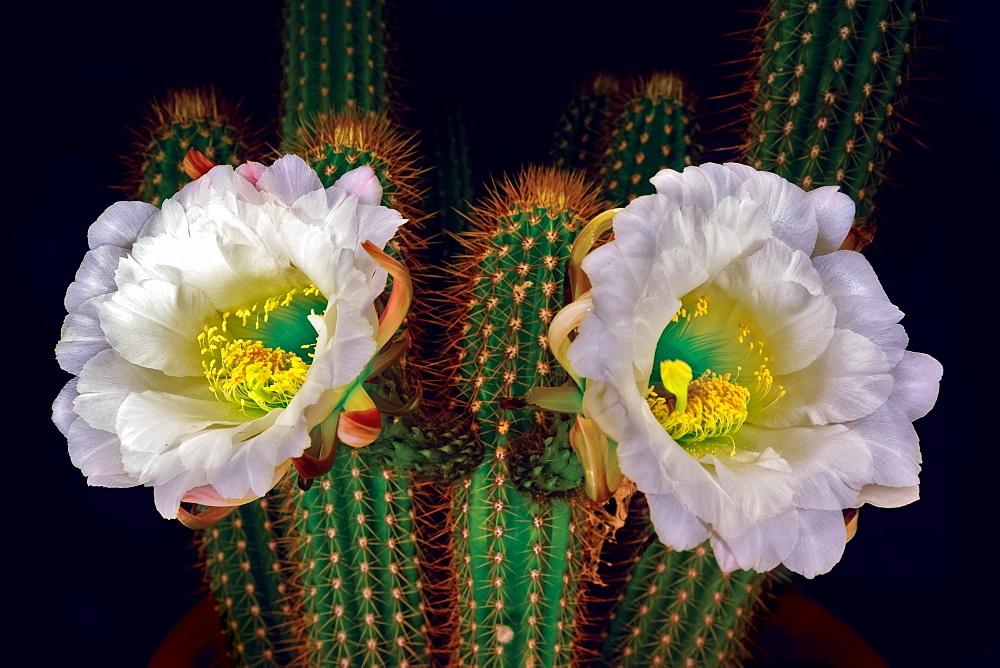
pixel 788 206
pixel 675 526
pixel 362 182
pixel 847 382
pixel 760 484
pixel 156 324
pixel 120 224
pixel 155 422
pixel 917 378
pixel 888 497
pixel 63 414
pixel 778 294
pixel 95 277
pixel 830 463
pixel 98 455
pixel 167 495
pixel 820 545
pixel 80 340
pixel 764 544
pixel 108 378
pixel 834 216
pixel 289 178
pixel 894 447
pixel 849 273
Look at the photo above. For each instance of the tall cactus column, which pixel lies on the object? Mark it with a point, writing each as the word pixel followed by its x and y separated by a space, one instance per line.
pixel 828 90
pixel 516 557
pixel 655 129
pixel 335 58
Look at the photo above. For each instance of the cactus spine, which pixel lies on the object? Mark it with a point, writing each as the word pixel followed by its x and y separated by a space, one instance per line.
pixel 828 93
pixel 655 130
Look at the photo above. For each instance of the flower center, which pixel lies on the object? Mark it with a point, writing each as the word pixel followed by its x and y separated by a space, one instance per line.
pixel 699 414
pixel 253 359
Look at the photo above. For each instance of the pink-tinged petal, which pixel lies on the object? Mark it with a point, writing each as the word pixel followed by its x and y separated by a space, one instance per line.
pixel 400 297
pixel 196 164
pixel 251 171
pixel 360 422
pixel 204 519
pixel 362 182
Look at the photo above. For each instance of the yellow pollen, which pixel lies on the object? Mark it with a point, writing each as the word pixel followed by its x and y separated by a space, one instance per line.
pixel 715 408
pixel 249 374
pixel 699 309
pixel 246 372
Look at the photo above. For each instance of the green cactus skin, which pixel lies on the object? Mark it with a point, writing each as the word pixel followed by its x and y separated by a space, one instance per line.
pixel 185 119
pixel 680 609
pixel 828 91
pixel 516 557
pixel 354 566
pixel 577 143
pixel 655 130
pixel 334 59
pixel 242 562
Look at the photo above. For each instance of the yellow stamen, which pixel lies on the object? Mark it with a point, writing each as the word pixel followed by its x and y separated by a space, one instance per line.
pixel 251 375
pixel 715 407
pixel 246 372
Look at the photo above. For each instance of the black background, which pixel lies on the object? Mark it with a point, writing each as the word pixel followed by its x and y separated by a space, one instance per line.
pixel 96 577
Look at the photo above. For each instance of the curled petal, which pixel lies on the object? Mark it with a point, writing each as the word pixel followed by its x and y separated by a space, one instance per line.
pixel 599 458
pixel 399 299
pixel 361 422
pixel 585 241
pixel 206 518
pixel 565 322
pixel 362 182
pixel 318 459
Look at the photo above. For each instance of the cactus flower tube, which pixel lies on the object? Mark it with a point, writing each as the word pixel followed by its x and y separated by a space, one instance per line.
pixel 754 377
pixel 225 337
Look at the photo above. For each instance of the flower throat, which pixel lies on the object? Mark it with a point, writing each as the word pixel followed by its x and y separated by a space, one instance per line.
pixel 255 356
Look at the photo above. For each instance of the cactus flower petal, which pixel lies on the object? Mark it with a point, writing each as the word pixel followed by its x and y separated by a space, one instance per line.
pixel 216 338
pixel 754 376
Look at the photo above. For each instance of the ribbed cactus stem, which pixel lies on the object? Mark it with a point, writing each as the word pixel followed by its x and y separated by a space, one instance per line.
pixel 680 609
pixel 185 119
pixel 829 84
pixel 656 129
pixel 334 59
pixel 578 141
pixel 515 555
pixel 243 566
pixel 355 569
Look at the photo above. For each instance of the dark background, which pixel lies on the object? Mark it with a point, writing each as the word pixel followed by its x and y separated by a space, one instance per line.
pixel 97 577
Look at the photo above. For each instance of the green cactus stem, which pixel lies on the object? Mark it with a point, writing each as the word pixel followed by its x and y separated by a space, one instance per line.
pixel 578 141
pixel 242 564
pixel 334 59
pixel 655 130
pixel 516 557
pixel 185 119
pixel 355 591
pixel 828 90
pixel 680 609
